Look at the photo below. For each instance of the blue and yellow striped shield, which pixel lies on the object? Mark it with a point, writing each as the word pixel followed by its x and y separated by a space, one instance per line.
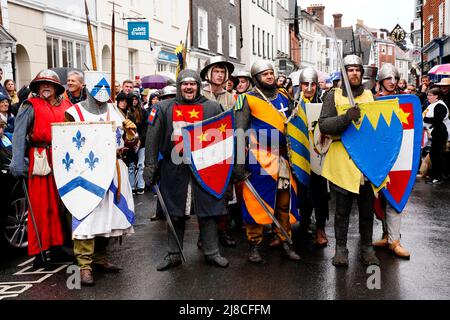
pixel 298 144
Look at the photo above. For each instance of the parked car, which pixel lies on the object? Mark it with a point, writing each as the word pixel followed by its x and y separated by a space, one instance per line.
pixel 13 208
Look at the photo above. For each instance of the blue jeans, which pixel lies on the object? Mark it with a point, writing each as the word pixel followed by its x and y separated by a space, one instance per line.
pixel 140 183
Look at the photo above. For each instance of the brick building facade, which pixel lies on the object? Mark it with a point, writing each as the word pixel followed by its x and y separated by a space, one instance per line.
pixel 436 32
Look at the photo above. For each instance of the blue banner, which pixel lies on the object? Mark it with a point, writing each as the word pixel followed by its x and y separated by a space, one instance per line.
pixel 138 30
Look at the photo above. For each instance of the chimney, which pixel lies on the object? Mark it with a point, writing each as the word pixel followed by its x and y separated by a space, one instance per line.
pixel 337 20
pixel 317 10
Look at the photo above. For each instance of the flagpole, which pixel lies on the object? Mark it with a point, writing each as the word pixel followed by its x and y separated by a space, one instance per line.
pixel 91 38
pixel 186 44
pixel 113 55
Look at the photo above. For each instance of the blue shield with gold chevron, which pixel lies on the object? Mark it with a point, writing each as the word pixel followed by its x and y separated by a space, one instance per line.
pixel 298 145
pixel 374 142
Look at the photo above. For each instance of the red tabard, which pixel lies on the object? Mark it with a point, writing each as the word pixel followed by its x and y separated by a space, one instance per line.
pixel 44 197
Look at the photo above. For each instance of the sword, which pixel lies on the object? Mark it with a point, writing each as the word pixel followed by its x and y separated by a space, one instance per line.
pixel 348 88
pixel 261 202
pixel 169 222
pixel 30 210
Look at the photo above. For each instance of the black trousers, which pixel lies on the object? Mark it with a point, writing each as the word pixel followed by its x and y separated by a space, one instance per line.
pixel 344 203
pixel 315 197
pixel 208 235
pixel 437 159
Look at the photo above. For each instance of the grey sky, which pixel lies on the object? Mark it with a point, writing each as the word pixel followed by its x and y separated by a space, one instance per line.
pixel 376 14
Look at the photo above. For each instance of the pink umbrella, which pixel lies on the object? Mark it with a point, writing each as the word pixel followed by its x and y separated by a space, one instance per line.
pixel 156 81
pixel 442 69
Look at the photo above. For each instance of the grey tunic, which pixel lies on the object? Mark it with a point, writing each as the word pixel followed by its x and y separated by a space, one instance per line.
pixel 175 177
pixel 23 125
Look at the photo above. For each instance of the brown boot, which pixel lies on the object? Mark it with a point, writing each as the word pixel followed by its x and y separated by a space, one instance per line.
pixel 383 243
pixel 321 238
pixel 86 278
pixel 398 250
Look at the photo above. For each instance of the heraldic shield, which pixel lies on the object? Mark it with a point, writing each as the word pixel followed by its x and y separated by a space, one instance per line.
pixel 403 175
pixel 298 145
pixel 84 160
pixel 209 150
pixel 318 142
pixel 374 142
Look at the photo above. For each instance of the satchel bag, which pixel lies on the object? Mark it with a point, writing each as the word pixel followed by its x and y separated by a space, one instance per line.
pixel 41 167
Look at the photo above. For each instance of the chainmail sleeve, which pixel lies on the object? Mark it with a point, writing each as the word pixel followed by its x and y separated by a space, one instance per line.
pixel 329 121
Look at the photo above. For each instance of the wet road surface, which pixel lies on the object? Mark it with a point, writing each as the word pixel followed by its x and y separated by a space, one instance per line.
pixel 425 233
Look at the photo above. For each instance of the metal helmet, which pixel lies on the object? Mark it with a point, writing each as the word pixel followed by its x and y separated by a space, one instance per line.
pixel 353 60
pixel 168 91
pixel 388 70
pixel 205 74
pixel 261 66
pixel 47 75
pixel 188 75
pixel 369 78
pixel 242 74
pixel 309 75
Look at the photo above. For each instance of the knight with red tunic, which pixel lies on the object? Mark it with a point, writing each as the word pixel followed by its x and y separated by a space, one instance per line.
pixel 32 140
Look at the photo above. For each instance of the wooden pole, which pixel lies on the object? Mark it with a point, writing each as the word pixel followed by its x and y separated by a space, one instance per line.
pixel 113 55
pixel 91 38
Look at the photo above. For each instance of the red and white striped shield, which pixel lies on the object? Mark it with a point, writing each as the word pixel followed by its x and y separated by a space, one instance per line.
pixel 209 148
pixel 403 174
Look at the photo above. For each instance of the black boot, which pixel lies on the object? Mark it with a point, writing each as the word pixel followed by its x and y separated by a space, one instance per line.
pixel 217 260
pixel 254 255
pixel 341 220
pixel 288 253
pixel 368 256
pixel 171 260
pixel 227 240
pixel 340 258
pixel 38 263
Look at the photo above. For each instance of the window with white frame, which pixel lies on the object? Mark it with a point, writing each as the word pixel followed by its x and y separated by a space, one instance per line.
pixel 447 19
pixel 219 36
pixel 259 42
pixel 431 22
pixel 232 39
pixel 253 39
pixel 131 64
pixel 65 53
pixel 390 51
pixel 202 28
pixel 263 44
pixel 441 20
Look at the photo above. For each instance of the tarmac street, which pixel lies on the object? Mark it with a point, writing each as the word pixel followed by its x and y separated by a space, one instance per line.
pixel 425 233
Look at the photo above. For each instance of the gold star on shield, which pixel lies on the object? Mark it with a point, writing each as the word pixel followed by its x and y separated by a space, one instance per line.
pixel 223 128
pixel 403 116
pixel 194 114
pixel 179 113
pixel 203 137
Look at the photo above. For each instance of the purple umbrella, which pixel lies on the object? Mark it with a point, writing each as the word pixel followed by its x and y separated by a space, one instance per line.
pixel 156 81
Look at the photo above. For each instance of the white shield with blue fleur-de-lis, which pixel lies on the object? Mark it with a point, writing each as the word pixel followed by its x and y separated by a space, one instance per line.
pixel 84 159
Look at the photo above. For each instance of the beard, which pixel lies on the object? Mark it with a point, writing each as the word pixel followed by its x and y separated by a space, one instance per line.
pixel 265 86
